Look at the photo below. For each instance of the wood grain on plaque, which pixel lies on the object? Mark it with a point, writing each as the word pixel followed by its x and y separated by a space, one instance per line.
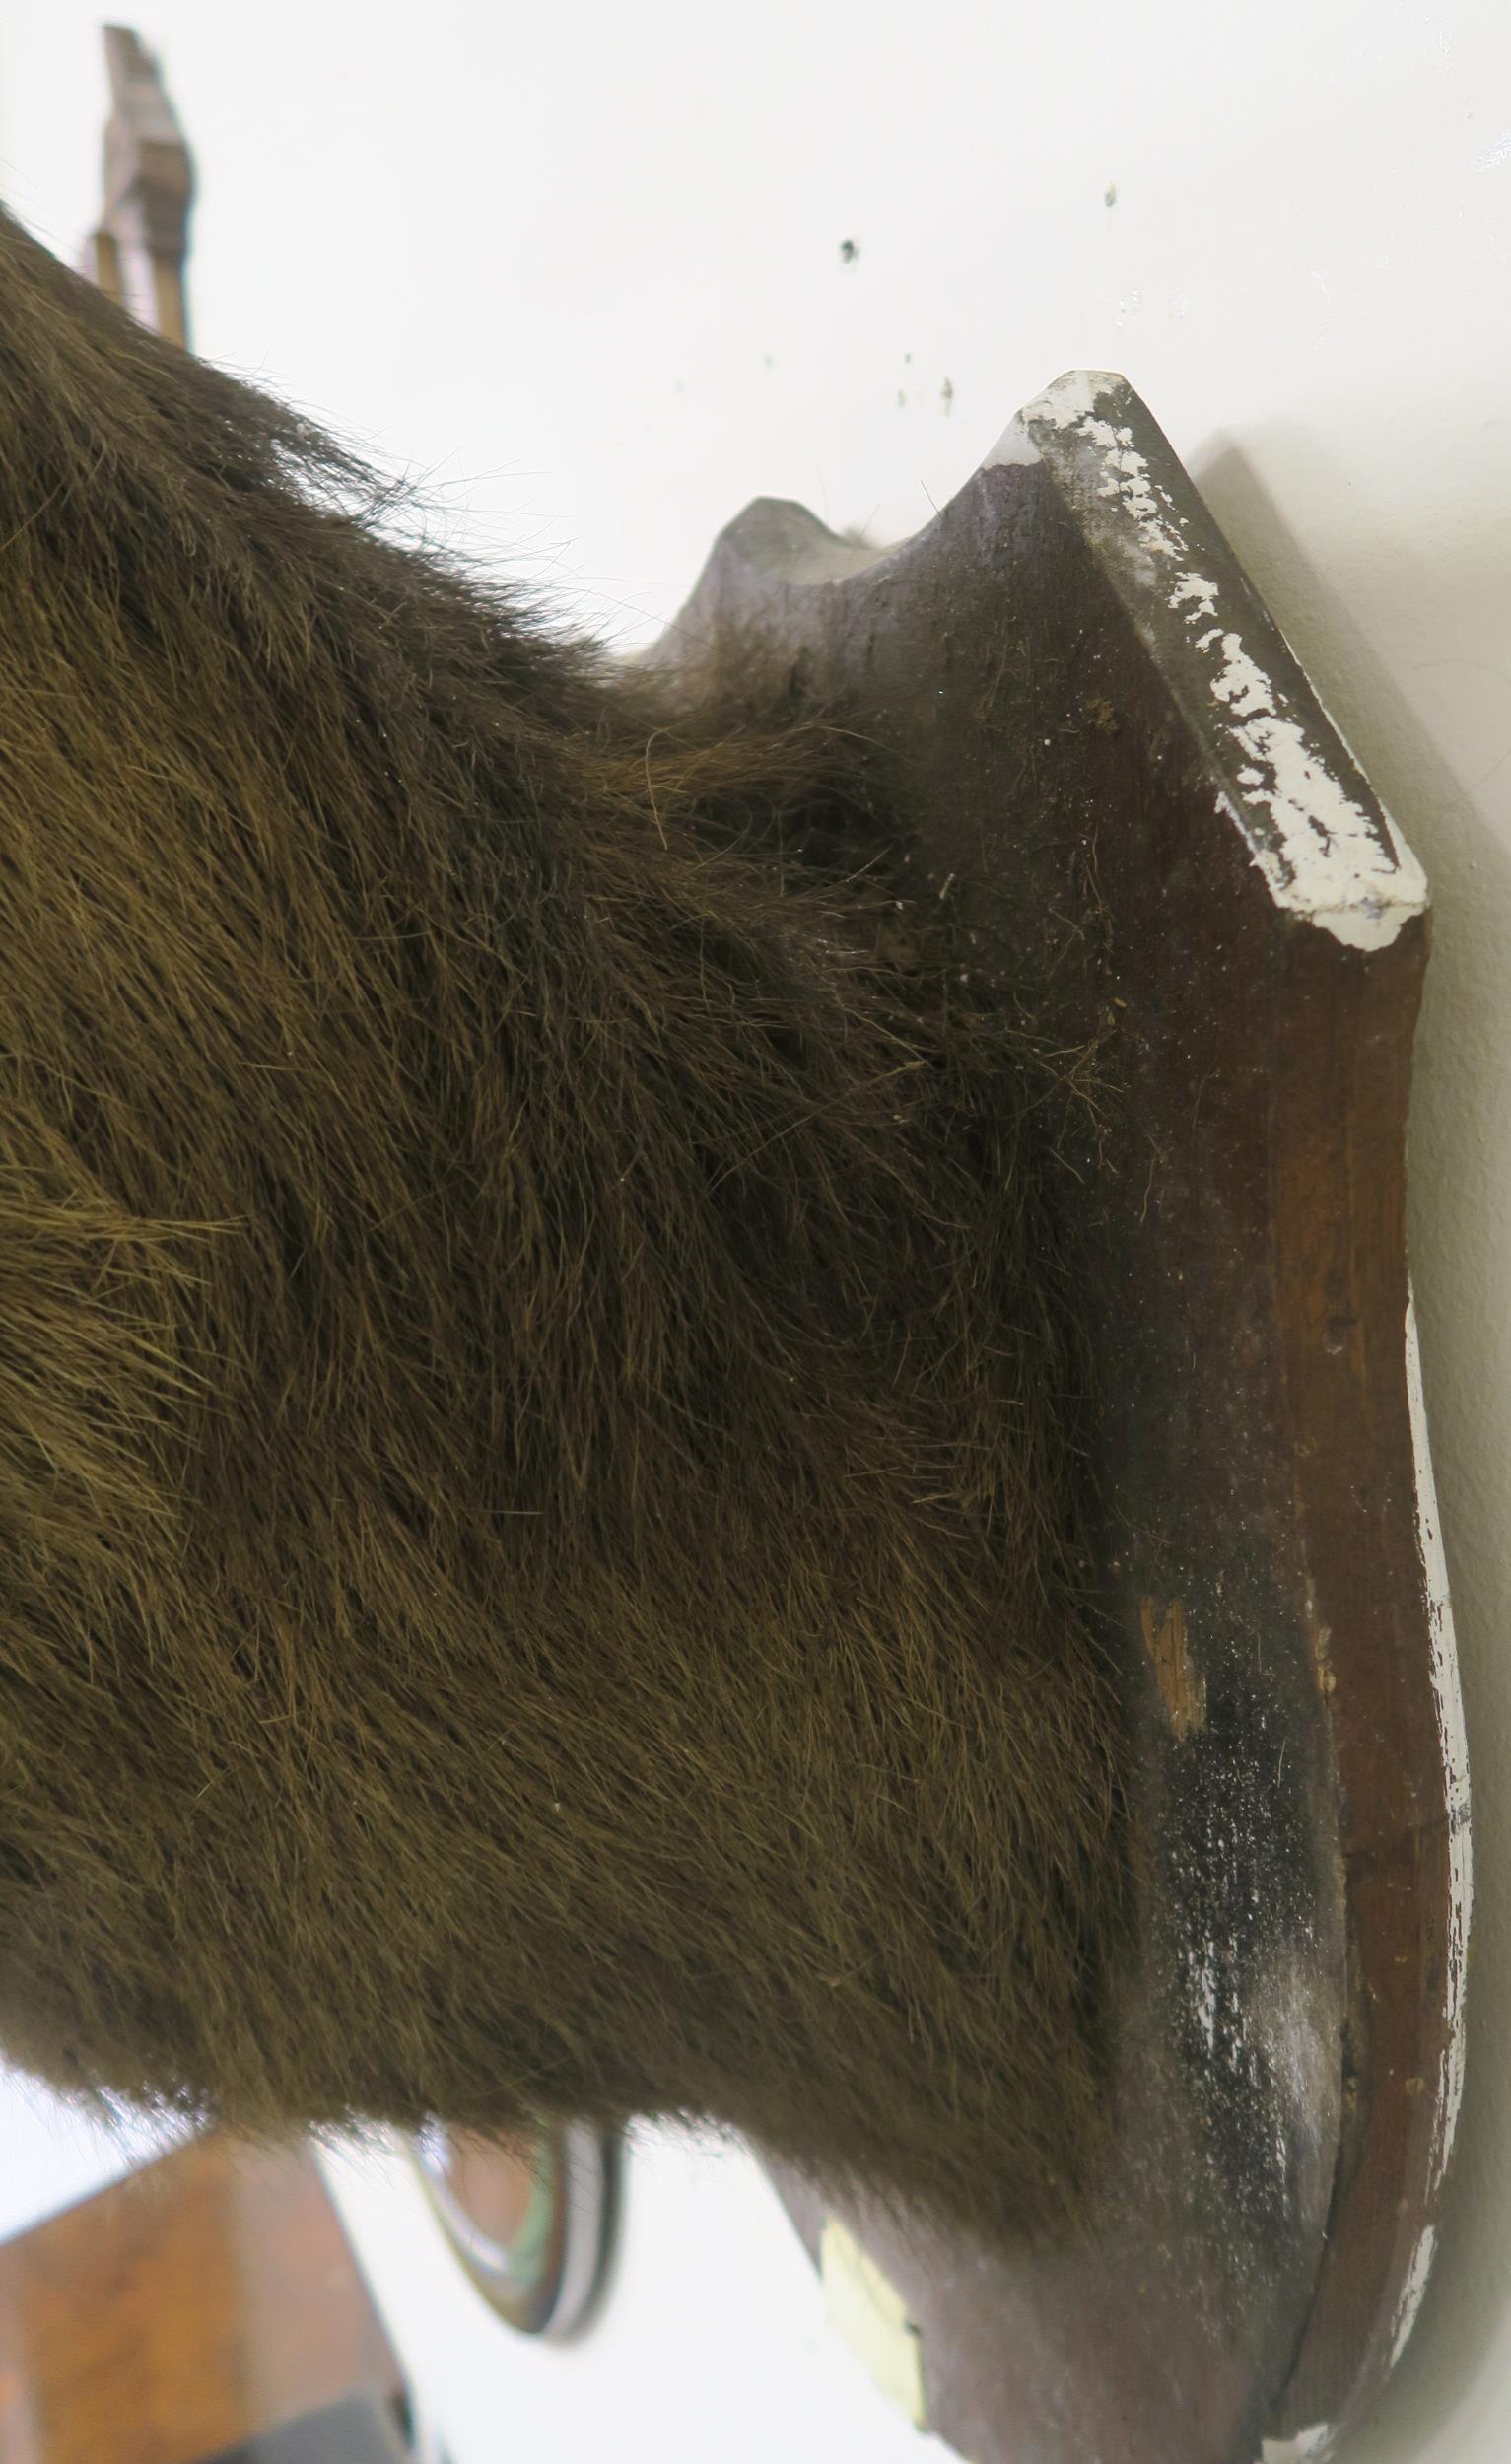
pixel 210 2295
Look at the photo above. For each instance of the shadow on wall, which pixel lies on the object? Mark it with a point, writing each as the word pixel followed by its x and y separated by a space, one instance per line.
pixel 1459 1209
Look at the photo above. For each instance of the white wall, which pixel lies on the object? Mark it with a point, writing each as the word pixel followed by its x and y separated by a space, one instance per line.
pixel 579 268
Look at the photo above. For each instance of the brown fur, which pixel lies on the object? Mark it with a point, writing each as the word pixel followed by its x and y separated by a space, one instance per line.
pixel 533 1459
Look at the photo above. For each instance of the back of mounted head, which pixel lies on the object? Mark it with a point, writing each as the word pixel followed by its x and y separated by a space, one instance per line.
pixel 537 1461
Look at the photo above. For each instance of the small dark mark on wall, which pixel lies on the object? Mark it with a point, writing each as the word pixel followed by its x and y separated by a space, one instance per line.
pixel 1111 197
pixel 946 395
pixel 850 251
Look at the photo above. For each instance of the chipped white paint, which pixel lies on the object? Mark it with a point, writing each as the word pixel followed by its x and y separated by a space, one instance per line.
pixel 1322 855
pixel 1204 1993
pixel 1308 2446
pixel 1412 2293
pixel 1295 2035
pixel 1453 1744
pixel 1453 1748
pixel 1072 397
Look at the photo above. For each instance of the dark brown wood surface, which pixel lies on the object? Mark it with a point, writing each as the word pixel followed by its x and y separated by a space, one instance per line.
pixel 139 248
pixel 1155 838
pixel 208 2296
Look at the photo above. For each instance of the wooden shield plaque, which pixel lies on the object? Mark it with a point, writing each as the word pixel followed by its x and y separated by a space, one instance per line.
pixel 1158 838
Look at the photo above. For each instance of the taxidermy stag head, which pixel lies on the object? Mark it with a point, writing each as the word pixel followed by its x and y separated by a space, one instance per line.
pixel 538 1479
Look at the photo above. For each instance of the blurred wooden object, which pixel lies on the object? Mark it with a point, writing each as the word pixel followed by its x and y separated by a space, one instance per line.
pixel 208 2299
pixel 138 250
